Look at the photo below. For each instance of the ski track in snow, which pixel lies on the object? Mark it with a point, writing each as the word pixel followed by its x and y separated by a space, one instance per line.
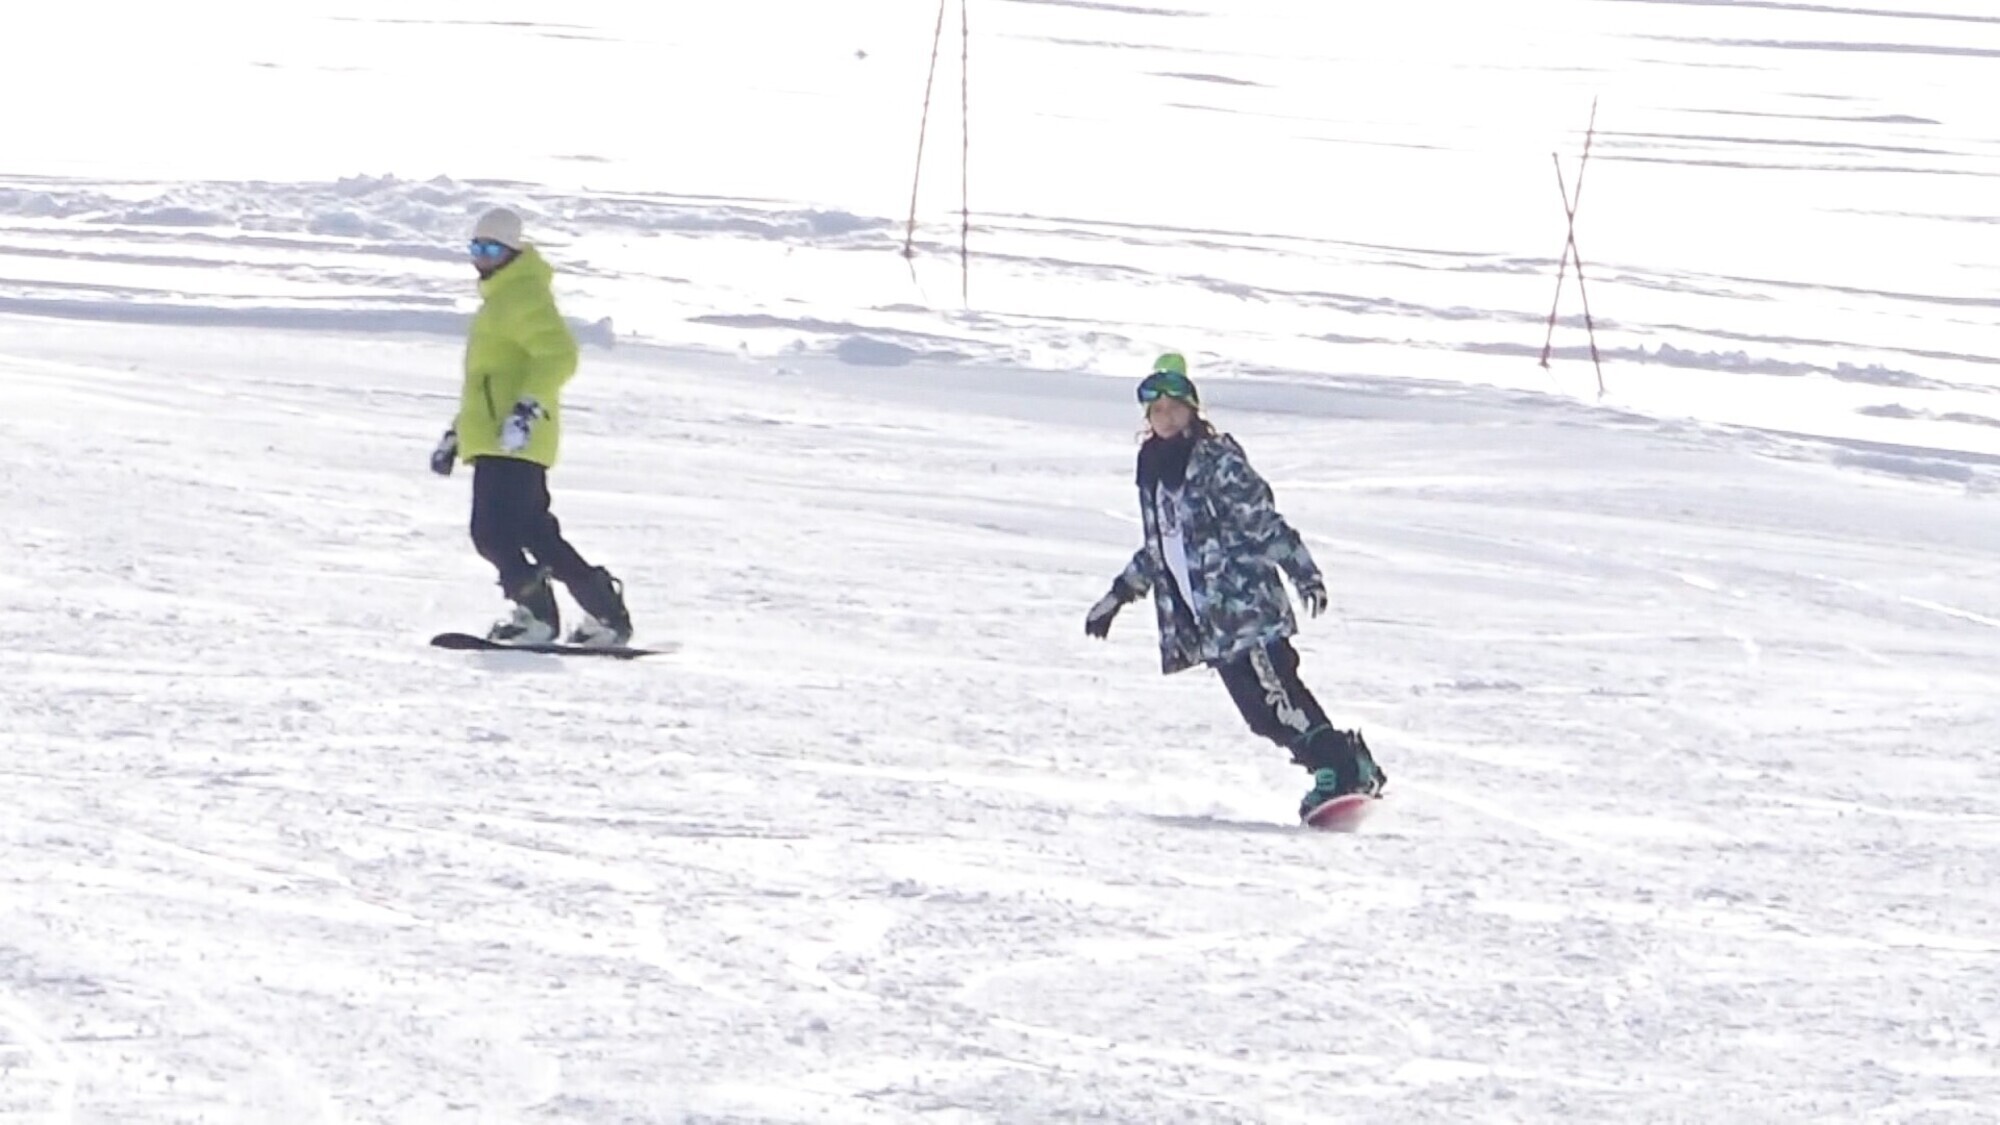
pixel 1693 811
pixel 374 254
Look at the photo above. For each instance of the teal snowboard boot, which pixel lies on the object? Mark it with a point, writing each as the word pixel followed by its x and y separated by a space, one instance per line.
pixel 1326 786
pixel 1341 763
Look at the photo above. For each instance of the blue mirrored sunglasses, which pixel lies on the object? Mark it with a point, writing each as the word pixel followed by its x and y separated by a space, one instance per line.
pixel 485 249
pixel 1165 384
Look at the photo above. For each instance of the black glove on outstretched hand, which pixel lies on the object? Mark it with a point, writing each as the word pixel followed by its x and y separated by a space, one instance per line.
pixel 445 456
pixel 1312 595
pixel 1097 622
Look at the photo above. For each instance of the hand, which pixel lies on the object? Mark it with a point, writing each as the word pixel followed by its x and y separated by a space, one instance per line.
pixel 445 456
pixel 1312 595
pixel 1097 622
pixel 519 426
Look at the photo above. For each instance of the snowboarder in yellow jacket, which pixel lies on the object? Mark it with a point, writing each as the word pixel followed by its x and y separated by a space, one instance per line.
pixel 518 356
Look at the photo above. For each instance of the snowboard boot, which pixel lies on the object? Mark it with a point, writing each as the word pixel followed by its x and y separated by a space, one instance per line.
pixel 1368 777
pixel 606 623
pixel 1344 755
pixel 535 618
pixel 1326 786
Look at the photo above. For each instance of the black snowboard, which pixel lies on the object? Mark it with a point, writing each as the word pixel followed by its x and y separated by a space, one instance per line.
pixel 469 642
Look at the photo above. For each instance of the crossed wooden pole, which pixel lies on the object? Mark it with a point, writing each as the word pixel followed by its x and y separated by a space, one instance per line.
pixel 1570 253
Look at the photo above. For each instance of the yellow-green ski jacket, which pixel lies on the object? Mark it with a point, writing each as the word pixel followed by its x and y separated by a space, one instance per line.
pixel 519 347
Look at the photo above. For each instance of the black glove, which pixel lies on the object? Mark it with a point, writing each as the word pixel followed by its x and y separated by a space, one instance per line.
pixel 1312 595
pixel 445 456
pixel 1097 622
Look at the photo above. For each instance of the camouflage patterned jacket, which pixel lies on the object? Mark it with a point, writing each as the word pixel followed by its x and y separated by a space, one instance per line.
pixel 1236 543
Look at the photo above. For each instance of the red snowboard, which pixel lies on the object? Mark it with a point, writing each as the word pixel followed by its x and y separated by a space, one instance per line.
pixel 1342 814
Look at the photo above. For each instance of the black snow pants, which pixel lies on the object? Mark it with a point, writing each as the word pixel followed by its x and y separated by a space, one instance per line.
pixel 1265 684
pixel 513 529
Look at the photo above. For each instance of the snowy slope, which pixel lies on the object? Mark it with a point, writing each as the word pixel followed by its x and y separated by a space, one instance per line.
pixel 1691 753
pixel 1687 696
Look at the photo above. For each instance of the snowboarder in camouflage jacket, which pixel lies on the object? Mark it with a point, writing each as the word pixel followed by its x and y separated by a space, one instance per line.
pixel 1214 547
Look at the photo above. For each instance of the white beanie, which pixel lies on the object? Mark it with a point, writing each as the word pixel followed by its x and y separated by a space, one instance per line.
pixel 500 225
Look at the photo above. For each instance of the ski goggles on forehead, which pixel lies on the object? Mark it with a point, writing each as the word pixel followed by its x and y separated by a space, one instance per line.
pixel 1165 384
pixel 487 250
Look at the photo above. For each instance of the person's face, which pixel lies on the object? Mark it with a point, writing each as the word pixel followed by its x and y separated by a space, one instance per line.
pixel 488 255
pixel 1168 416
